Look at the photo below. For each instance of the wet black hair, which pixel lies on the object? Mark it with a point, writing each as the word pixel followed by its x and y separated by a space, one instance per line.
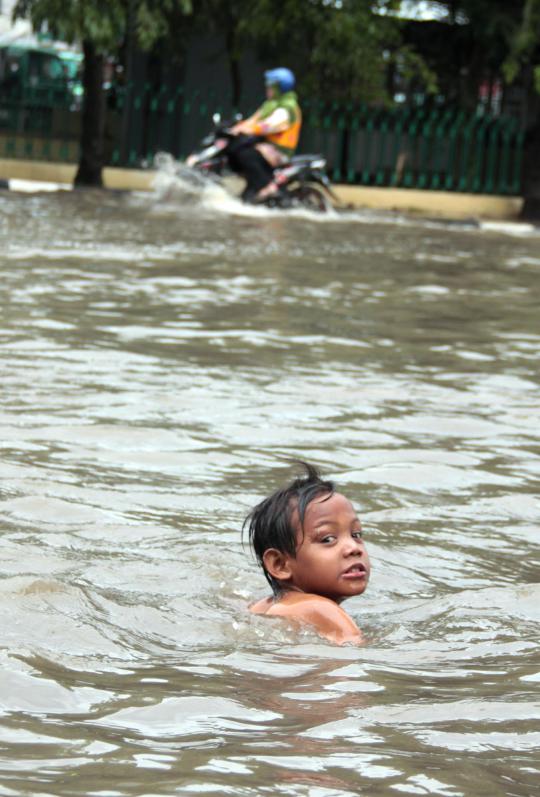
pixel 269 524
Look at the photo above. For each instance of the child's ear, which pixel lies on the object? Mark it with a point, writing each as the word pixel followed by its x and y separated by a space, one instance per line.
pixel 277 564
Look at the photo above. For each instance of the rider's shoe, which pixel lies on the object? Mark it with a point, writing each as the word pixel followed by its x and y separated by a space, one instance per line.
pixel 266 193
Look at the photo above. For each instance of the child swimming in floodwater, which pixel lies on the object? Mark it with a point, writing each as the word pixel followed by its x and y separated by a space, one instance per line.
pixel 308 540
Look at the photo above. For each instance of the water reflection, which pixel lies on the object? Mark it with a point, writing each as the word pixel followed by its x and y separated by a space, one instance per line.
pixel 160 362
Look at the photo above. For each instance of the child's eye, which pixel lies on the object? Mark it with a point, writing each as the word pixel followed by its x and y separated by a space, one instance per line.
pixel 328 538
pixel 357 535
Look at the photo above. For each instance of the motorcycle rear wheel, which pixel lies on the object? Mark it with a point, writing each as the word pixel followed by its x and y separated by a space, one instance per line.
pixel 311 198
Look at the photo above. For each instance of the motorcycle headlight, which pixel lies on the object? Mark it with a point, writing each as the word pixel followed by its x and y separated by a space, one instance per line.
pixel 318 164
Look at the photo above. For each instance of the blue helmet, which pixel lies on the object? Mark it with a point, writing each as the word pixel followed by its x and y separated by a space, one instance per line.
pixel 281 77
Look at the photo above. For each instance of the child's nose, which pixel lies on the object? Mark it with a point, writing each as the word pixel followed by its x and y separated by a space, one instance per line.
pixel 354 546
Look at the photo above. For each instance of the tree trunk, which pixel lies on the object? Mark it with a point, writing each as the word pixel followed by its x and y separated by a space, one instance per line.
pixel 531 175
pixel 91 164
pixel 129 45
pixel 234 67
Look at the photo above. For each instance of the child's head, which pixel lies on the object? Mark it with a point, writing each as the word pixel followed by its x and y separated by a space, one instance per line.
pixel 309 537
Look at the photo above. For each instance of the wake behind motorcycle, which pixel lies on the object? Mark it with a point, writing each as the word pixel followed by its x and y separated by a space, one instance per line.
pixel 302 181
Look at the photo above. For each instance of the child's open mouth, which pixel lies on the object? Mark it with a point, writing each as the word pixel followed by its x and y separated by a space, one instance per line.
pixel 357 570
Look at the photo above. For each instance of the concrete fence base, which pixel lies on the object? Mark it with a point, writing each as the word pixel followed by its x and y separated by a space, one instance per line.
pixel 443 204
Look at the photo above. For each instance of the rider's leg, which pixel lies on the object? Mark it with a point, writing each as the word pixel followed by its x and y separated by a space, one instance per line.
pixel 249 163
pixel 275 157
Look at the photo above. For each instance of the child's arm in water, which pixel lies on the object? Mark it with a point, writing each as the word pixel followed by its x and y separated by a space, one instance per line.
pixel 327 618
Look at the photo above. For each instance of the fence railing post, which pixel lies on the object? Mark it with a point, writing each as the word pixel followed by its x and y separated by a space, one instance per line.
pixel 351 154
pixel 370 126
pixel 450 181
pixel 491 157
pixel 398 157
pixel 339 147
pixel 516 179
pixel 383 132
pixel 464 176
pixel 412 132
pixel 479 154
pixel 440 148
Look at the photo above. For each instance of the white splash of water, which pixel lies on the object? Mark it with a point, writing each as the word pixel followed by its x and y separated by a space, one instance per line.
pixel 178 183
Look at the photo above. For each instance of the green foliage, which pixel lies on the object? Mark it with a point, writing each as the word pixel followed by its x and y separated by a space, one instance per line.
pixel 100 21
pixel 525 44
pixel 340 50
pixel 413 68
pixel 506 33
pixel 153 19
pixel 103 22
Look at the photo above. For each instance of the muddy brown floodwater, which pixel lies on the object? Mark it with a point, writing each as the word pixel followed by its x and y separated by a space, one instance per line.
pixel 161 359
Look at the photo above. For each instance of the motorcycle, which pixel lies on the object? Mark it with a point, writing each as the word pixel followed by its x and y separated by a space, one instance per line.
pixel 299 179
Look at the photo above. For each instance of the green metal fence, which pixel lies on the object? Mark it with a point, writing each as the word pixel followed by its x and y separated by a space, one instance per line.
pixel 40 125
pixel 416 147
pixel 410 147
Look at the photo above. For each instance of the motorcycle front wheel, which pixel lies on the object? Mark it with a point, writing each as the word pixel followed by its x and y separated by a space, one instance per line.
pixel 311 198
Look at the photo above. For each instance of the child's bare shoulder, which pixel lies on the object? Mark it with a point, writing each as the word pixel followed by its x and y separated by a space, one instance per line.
pixel 324 614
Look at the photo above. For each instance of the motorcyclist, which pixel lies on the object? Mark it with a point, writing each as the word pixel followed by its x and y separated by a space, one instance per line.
pixel 278 121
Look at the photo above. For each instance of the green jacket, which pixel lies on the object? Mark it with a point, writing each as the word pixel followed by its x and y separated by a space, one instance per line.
pixel 288 101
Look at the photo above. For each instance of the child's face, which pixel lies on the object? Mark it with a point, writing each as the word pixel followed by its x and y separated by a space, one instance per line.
pixel 331 558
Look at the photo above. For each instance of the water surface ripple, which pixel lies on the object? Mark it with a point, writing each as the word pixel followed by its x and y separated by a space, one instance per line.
pixel 161 359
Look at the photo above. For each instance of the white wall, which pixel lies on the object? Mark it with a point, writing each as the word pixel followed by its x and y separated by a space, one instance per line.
pixel 8 30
